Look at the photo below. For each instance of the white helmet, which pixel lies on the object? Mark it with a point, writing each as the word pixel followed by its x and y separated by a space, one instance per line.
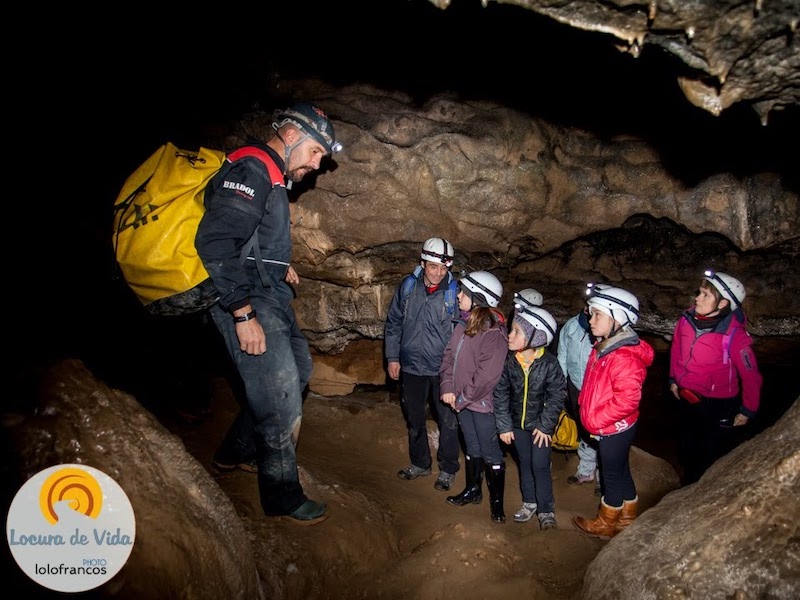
pixel 438 250
pixel 729 287
pixel 619 304
pixel 592 287
pixel 540 319
pixel 483 287
pixel 527 298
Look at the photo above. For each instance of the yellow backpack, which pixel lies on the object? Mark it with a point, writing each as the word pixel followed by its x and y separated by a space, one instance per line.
pixel 565 436
pixel 156 216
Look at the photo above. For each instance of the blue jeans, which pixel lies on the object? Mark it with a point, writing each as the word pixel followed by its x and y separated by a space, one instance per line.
pixel 269 425
pixel 480 436
pixel 417 390
pixel 535 479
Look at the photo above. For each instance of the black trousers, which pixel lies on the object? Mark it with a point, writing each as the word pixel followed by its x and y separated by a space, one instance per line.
pixel 417 391
pixel 705 435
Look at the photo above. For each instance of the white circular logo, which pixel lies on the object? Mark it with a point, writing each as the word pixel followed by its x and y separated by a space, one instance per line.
pixel 71 528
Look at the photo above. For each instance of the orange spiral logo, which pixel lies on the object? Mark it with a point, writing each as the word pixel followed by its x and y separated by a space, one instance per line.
pixel 77 487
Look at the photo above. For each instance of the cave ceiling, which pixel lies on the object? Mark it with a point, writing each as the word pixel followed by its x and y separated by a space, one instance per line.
pixel 734 51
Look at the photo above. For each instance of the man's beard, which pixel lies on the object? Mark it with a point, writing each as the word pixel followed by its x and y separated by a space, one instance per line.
pixel 297 174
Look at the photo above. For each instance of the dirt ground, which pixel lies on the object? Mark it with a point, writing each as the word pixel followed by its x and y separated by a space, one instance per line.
pixel 391 538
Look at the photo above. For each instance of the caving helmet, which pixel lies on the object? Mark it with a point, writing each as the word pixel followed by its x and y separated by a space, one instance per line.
pixel 483 287
pixel 540 319
pixel 527 298
pixel 438 250
pixel 728 287
pixel 312 121
pixel 619 304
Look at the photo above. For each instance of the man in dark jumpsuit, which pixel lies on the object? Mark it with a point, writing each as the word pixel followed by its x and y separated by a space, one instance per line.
pixel 254 313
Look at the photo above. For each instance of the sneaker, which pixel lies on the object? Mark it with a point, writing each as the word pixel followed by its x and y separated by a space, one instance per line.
pixel 525 513
pixel 412 472
pixel 444 482
pixel 547 521
pixel 249 466
pixel 573 479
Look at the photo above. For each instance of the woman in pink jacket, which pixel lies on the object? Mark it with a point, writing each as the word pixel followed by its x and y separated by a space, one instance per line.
pixel 609 404
pixel 471 367
pixel 711 358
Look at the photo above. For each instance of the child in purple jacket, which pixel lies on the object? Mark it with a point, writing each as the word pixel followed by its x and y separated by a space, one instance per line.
pixel 471 367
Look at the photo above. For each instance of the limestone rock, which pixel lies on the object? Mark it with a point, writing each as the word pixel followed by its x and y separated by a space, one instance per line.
pixel 733 534
pixel 190 543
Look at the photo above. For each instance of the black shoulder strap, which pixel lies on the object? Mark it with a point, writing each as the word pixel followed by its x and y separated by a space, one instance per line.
pixel 276 177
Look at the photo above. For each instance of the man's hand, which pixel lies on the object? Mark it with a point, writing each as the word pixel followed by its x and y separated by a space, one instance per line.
pixel 291 276
pixel 252 338
pixel 394 370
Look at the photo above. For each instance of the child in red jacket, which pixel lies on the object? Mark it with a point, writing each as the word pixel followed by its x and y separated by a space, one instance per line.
pixel 609 404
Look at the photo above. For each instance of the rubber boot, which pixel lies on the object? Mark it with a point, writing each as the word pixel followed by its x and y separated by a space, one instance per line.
pixel 630 509
pixel 604 525
pixel 496 482
pixel 472 494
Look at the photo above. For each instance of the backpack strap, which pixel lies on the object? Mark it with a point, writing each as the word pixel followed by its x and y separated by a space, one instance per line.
pixel 451 295
pixel 275 174
pixel 276 178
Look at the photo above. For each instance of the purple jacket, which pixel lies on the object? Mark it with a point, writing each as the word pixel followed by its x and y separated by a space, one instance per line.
pixel 471 367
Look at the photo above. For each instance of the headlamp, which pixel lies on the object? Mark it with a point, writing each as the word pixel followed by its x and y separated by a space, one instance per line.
pixel 521 303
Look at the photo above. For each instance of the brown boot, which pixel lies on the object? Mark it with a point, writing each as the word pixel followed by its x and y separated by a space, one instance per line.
pixel 630 509
pixel 603 525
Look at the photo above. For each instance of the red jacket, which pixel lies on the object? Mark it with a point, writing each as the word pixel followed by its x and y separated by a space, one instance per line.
pixel 700 362
pixel 612 385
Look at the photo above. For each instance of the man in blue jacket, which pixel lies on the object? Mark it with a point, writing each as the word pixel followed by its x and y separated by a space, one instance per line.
pixel 418 327
pixel 254 313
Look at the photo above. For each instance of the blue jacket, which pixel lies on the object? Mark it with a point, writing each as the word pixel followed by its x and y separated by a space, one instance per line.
pixel 418 328
pixel 574 346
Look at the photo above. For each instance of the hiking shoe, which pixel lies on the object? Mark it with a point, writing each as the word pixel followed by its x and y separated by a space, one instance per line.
pixel 444 482
pixel 547 521
pixel 412 472
pixel 249 466
pixel 525 513
pixel 572 479
pixel 309 513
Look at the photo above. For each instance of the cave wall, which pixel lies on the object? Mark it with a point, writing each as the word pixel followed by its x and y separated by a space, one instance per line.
pixel 539 204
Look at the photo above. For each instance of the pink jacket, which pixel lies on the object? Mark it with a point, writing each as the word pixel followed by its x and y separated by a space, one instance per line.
pixel 612 384
pixel 699 361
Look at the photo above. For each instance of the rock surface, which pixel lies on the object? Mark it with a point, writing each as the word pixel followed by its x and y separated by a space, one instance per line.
pixel 190 543
pixel 733 534
pixel 734 50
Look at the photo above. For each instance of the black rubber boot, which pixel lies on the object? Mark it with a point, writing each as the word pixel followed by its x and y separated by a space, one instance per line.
pixel 472 494
pixel 496 482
